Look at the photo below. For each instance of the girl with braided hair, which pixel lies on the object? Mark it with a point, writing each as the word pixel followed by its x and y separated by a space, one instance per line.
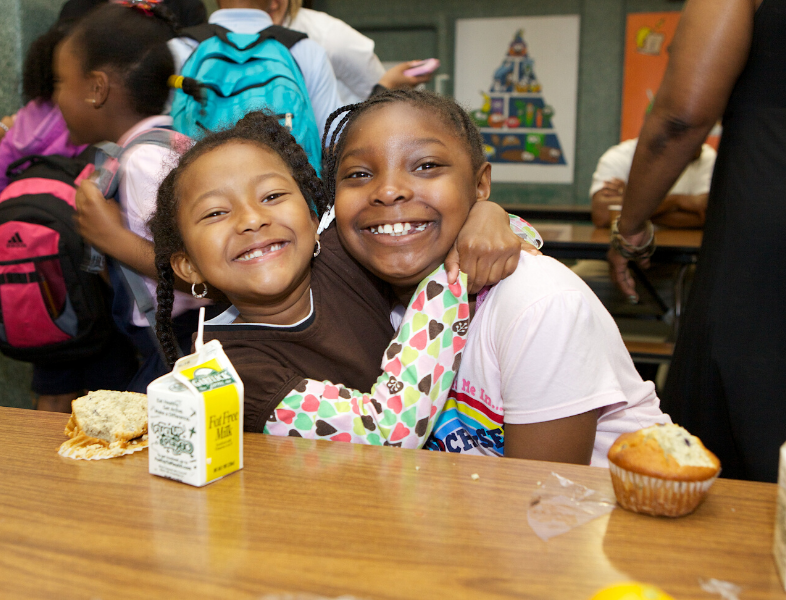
pixel 111 75
pixel 239 215
pixel 545 374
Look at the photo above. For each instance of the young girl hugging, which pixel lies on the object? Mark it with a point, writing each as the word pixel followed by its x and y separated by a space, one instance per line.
pixel 239 215
pixel 111 85
pixel 545 374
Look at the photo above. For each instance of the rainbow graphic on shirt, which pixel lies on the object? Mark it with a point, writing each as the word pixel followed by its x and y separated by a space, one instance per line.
pixel 467 425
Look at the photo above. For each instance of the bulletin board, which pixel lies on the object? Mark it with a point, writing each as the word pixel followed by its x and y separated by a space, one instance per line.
pixel 647 38
pixel 518 77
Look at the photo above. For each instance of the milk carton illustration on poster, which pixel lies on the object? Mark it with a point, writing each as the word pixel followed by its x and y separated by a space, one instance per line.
pixel 518 76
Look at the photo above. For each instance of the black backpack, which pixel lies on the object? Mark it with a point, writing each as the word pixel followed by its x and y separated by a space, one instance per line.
pixel 51 310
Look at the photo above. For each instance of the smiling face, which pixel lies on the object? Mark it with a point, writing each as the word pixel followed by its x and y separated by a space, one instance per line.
pixel 404 187
pixel 247 230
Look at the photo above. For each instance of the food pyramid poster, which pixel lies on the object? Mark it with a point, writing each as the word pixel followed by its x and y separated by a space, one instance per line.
pixel 518 78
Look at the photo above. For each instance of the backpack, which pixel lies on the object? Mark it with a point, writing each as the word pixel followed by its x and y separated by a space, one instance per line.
pixel 129 286
pixel 51 310
pixel 231 74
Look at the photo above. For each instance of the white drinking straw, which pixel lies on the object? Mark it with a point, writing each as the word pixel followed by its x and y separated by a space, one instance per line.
pixel 200 329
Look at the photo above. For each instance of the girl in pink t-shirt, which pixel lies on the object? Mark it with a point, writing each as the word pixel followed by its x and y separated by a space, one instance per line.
pixel 545 374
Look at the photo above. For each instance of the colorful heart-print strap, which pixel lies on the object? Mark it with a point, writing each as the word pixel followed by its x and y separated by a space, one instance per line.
pixel 525 231
pixel 418 370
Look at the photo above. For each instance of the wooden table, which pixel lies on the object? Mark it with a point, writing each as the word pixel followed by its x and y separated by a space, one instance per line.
pixel 585 241
pixel 548 212
pixel 333 518
pixel 582 240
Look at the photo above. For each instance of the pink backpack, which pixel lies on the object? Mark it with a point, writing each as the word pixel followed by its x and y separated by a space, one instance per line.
pixel 50 309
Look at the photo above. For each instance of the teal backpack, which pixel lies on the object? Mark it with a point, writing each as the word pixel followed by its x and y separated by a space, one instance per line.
pixel 231 74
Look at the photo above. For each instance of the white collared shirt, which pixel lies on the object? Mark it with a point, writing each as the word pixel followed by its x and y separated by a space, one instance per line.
pixel 351 53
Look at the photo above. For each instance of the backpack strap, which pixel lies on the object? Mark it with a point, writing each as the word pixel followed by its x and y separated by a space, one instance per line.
pixel 108 160
pixel 144 301
pixel 61 163
pixel 108 156
pixel 200 33
pixel 286 37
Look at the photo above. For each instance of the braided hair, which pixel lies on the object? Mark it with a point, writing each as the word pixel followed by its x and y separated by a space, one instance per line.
pixel 260 128
pixel 133 43
pixel 447 109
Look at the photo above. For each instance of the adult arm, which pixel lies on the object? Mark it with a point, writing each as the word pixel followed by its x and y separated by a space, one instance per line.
pixel 681 211
pixel 610 194
pixel 394 77
pixel 708 54
pixel 418 370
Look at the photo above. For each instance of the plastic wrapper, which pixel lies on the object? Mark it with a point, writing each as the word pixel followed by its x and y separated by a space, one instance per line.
pixel 559 505
pixel 725 589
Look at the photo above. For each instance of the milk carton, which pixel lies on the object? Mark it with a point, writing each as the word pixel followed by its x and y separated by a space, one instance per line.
pixel 195 418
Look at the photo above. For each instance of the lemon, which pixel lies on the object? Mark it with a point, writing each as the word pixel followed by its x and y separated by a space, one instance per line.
pixel 631 591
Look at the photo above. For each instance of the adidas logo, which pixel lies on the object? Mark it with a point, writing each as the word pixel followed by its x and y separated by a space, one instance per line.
pixel 15 242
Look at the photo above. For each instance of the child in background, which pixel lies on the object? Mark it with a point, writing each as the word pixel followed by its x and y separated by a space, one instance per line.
pixel 240 214
pixel 38 127
pixel 111 85
pixel 251 16
pixel 545 374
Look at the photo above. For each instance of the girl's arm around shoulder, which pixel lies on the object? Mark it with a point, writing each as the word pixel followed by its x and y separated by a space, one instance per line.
pixel 488 246
pixel 418 370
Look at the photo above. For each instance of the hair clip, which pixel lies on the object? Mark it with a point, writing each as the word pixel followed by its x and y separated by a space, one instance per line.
pixel 143 6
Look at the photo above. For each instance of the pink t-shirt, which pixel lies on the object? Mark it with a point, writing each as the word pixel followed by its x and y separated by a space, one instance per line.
pixel 542 347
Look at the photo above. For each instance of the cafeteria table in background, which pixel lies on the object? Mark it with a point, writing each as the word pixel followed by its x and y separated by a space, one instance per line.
pixel 576 240
pixel 333 519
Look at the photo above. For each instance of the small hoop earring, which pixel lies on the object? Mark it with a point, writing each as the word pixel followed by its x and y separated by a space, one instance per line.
pixel 201 294
pixel 317 249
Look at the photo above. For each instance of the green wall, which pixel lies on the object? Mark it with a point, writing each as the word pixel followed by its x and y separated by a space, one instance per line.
pixel 22 22
pixel 409 29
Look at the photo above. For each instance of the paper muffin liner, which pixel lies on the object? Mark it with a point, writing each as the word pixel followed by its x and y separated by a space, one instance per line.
pixel 84 447
pixel 655 496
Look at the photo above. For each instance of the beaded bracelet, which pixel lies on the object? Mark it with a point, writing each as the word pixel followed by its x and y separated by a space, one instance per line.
pixel 5 127
pixel 630 251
